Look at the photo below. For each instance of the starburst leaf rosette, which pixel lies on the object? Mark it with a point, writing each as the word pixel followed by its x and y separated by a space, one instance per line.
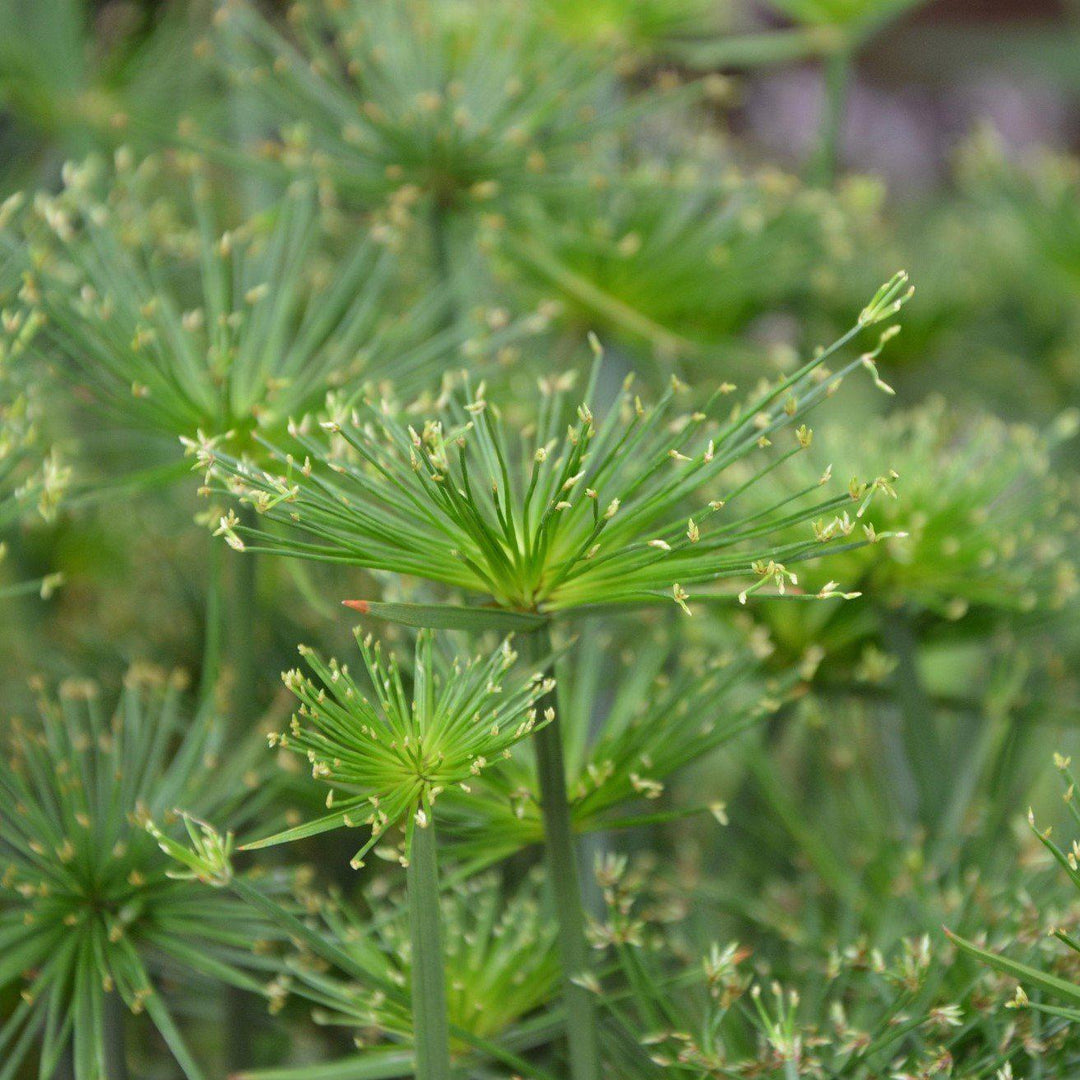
pixel 422 101
pixel 501 964
pixel 92 911
pixel 672 708
pixel 179 324
pixel 570 512
pixel 386 757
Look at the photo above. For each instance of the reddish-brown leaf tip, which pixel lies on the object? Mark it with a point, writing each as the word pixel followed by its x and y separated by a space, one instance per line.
pixel 357 605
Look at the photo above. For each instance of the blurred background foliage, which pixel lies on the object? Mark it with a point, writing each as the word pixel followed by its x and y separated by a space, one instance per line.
pixel 713 188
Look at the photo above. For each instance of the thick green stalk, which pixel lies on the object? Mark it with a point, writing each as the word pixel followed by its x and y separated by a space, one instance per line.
pixel 244 1012
pixel 431 1028
pixel 562 871
pixel 214 618
pixel 926 756
pixel 115 1053
pixel 838 73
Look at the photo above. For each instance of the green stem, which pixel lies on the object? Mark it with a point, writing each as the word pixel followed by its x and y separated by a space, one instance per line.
pixel 244 1012
pixel 562 871
pixel 243 620
pixel 926 754
pixel 431 1029
pixel 115 1055
pixel 838 72
pixel 214 629
pixel 444 266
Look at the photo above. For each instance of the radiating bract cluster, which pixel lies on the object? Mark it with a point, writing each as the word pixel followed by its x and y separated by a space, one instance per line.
pixel 387 758
pixel 466 107
pixel 500 960
pixel 179 325
pixel 572 511
pixel 90 908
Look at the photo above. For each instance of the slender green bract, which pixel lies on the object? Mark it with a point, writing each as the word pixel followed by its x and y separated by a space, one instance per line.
pixel 562 867
pixel 431 1030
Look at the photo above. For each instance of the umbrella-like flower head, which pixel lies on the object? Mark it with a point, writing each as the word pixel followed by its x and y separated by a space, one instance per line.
pixel 387 755
pixel 574 509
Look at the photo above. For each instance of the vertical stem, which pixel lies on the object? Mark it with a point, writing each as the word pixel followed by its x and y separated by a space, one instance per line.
pixel 214 616
pixel 243 620
pixel 930 764
pixel 562 871
pixel 244 1012
pixel 838 71
pixel 444 268
pixel 115 1054
pixel 431 1029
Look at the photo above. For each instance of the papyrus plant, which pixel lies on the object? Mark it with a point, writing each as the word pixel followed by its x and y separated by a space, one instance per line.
pixel 32 475
pixel 501 970
pixel 577 509
pixel 93 921
pixel 387 755
pixel 580 511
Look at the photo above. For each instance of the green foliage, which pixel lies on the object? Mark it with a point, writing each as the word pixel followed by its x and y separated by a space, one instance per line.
pixel 91 911
pixel 286 229
pixel 387 760
pixel 400 101
pixel 620 510
pixel 180 326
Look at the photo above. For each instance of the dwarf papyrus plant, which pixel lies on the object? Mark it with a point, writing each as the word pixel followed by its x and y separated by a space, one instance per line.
pixel 1060 986
pixel 181 323
pixel 634 721
pixel 462 109
pixel 387 755
pixel 31 475
pixel 501 969
pixel 572 512
pixel 93 919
